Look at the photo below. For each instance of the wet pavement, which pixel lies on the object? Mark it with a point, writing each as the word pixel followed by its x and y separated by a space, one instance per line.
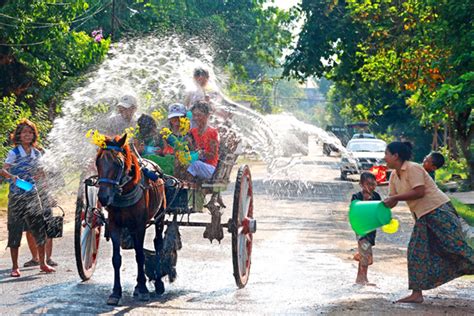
pixel 301 263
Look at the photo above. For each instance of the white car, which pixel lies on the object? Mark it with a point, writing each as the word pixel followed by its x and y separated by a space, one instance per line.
pixel 362 154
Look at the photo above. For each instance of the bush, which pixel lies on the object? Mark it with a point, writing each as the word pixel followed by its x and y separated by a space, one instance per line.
pixel 465 211
pixel 456 168
pixel 3 198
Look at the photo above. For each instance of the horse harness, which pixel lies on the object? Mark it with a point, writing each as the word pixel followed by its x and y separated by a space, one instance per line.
pixel 121 180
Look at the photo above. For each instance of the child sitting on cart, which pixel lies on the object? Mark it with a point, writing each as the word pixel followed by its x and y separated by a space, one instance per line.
pixel 161 147
pixel 206 142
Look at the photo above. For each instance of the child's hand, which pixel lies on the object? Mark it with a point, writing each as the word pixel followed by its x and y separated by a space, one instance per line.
pixel 201 154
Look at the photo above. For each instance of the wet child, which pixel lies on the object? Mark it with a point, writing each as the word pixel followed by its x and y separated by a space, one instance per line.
pixel 433 162
pixel 365 243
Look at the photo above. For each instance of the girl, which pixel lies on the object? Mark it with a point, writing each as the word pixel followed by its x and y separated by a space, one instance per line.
pixel 24 207
pixel 206 141
pixel 437 251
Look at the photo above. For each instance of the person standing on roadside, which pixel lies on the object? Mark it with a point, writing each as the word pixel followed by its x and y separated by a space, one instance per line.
pixel 24 207
pixel 437 252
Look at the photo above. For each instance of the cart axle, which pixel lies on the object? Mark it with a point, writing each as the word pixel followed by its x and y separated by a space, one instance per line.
pixel 195 224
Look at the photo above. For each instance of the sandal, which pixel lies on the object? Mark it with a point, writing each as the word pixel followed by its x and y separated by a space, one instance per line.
pixel 47 269
pixel 51 263
pixel 15 273
pixel 31 263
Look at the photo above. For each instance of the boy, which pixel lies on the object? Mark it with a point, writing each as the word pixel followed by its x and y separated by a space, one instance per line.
pixel 368 184
pixel 433 162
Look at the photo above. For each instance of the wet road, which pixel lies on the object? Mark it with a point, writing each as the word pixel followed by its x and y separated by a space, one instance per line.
pixel 300 263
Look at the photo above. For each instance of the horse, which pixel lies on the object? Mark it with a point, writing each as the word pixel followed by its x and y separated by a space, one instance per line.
pixel 132 201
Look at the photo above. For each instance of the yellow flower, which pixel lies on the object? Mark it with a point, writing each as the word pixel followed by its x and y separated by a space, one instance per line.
pixel 130 131
pixel 182 153
pixel 184 158
pixel 184 126
pixel 157 115
pixel 165 132
pixel 97 138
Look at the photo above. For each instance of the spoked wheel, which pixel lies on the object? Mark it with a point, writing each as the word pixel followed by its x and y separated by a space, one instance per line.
pixel 242 226
pixel 88 226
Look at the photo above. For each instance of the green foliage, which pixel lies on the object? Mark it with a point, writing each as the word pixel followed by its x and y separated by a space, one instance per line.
pixel 451 167
pixel 416 51
pixel 3 197
pixel 465 211
pixel 40 51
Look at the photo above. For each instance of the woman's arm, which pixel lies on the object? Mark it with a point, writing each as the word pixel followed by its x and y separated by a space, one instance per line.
pixel 414 194
pixel 4 172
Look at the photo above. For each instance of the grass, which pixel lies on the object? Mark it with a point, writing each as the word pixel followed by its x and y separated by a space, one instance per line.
pixel 465 211
pixel 3 198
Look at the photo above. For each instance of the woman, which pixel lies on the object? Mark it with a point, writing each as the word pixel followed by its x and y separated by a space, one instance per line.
pixel 24 207
pixel 437 251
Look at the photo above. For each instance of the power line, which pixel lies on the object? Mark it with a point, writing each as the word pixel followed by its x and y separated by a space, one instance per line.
pixel 39 25
pixel 44 41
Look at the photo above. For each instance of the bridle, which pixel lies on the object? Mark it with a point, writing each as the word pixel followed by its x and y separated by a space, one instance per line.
pixel 120 179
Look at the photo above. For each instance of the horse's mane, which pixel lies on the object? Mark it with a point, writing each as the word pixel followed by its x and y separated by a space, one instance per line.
pixel 129 159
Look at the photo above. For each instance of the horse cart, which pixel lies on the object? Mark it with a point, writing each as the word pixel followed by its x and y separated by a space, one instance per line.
pixel 183 198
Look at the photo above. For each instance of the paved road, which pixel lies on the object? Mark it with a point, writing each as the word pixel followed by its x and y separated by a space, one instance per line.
pixel 301 263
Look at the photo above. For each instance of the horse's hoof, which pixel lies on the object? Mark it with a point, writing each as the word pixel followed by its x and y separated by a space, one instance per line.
pixel 159 287
pixel 113 300
pixel 144 297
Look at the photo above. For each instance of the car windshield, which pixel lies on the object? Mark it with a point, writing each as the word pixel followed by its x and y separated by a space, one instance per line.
pixel 366 146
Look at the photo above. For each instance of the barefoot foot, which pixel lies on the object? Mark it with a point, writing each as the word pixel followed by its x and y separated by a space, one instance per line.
pixel 47 269
pixel 415 298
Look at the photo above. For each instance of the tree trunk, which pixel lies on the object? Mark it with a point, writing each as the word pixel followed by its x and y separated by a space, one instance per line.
pixel 470 162
pixel 453 149
pixel 434 144
pixel 465 133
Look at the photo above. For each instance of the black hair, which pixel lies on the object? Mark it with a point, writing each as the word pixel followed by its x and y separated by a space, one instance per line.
pixel 201 72
pixel 202 106
pixel 437 159
pixel 403 149
pixel 146 124
pixel 364 176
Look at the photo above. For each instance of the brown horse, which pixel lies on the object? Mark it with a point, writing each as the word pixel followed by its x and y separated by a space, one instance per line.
pixel 131 201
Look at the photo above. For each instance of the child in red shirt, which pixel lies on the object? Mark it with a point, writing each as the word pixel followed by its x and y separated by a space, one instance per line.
pixel 206 142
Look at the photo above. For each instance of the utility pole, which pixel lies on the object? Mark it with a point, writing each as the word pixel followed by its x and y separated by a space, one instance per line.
pixel 112 22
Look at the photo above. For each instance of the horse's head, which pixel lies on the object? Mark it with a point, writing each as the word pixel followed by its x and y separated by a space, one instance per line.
pixel 114 164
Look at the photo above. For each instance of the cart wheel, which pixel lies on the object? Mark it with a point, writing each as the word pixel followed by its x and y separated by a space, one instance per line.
pixel 88 225
pixel 242 226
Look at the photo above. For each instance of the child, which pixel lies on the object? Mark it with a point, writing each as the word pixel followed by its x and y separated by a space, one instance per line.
pixel 365 243
pixel 24 207
pixel 206 141
pixel 433 162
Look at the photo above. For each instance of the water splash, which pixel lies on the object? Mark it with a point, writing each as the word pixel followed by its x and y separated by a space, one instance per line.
pixel 158 71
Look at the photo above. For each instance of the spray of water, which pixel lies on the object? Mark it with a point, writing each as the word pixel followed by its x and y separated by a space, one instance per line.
pixel 158 71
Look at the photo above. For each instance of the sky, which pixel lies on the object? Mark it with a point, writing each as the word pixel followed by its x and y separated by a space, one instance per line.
pixel 286 4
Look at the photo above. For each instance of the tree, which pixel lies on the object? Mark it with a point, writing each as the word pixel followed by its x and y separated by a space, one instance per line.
pixel 417 49
pixel 39 49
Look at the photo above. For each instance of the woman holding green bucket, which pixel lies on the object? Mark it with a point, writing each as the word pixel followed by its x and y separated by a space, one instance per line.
pixel 437 252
